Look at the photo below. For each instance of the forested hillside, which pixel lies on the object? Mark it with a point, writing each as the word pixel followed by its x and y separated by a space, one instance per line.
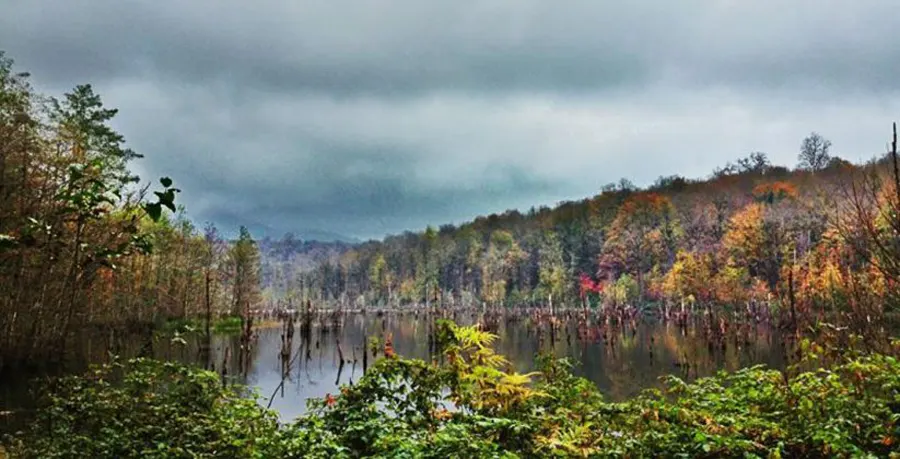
pixel 810 238
pixel 284 264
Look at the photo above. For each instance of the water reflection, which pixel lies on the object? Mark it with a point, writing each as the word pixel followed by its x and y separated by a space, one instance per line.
pixel 330 350
pixel 622 361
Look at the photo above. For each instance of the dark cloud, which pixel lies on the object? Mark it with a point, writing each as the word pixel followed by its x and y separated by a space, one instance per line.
pixel 348 47
pixel 363 117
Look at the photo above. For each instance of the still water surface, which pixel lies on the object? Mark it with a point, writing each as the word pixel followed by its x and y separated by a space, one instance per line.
pixel 622 361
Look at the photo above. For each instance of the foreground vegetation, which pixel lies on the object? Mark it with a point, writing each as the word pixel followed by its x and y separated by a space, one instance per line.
pixel 469 406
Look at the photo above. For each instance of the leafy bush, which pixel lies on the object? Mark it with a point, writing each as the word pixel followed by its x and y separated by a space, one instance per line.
pixel 146 408
pixel 472 407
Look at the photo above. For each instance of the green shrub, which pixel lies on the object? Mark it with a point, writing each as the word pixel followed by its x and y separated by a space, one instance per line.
pixel 145 408
pixel 471 407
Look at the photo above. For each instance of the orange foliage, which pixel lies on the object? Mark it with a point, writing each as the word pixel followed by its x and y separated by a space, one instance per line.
pixel 774 192
pixel 105 274
pixel 826 279
pixel 389 346
pixel 652 203
pixel 745 237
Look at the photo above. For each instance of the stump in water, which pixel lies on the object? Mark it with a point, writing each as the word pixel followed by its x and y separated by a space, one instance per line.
pixel 246 336
pixel 225 360
pixel 340 362
pixel 365 356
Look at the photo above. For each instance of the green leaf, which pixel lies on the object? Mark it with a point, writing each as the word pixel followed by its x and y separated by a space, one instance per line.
pixel 166 182
pixel 154 211
pixel 169 200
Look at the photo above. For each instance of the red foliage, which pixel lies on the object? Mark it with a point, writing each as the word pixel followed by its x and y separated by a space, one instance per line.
pixel 588 285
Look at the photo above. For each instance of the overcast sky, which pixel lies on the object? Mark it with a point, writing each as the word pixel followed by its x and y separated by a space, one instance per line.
pixel 369 117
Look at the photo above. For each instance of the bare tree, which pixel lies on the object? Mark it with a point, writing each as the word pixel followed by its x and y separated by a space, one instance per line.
pixel 814 152
pixel 756 162
pixel 871 222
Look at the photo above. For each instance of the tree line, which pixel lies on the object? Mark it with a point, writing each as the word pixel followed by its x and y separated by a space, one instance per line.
pixel 83 243
pixel 820 237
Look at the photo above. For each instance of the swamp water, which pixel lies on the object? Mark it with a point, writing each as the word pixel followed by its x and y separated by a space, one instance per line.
pixel 621 360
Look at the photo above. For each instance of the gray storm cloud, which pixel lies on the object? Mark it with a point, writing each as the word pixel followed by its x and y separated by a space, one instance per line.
pixel 363 118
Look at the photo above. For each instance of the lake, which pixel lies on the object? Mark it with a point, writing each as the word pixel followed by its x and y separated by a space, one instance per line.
pixel 621 359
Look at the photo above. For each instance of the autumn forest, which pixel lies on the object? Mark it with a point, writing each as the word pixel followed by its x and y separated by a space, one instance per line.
pixel 794 243
pixel 141 328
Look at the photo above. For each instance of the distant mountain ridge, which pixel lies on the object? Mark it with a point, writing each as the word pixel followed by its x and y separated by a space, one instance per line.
pixel 283 261
pixel 263 231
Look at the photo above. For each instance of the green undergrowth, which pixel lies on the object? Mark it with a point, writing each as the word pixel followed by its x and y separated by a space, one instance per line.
pixel 472 407
pixel 228 325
